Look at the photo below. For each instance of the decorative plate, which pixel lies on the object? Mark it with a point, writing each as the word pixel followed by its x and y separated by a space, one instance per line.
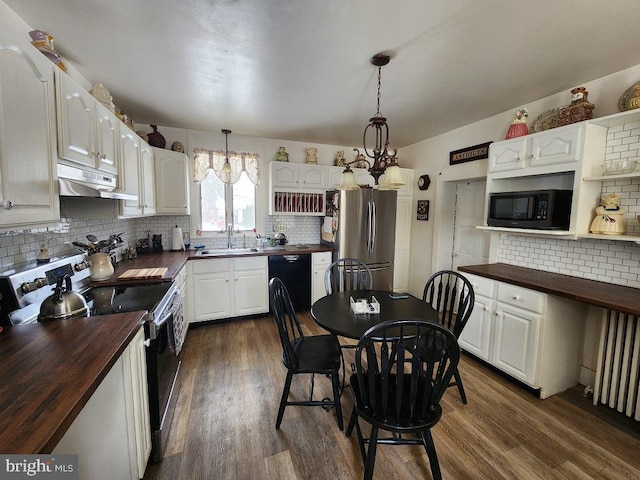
pixel 629 99
pixel 546 121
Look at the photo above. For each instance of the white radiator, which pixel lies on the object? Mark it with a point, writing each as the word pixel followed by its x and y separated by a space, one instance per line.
pixel 617 371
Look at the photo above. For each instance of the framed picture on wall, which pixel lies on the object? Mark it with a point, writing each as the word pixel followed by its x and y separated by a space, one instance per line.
pixel 423 210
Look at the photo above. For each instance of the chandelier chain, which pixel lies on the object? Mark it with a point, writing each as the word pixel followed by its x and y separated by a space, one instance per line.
pixel 379 77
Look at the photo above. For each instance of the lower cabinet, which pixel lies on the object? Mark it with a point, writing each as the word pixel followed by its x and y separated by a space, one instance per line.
pixel 534 337
pixel 320 261
pixel 228 287
pixel 112 433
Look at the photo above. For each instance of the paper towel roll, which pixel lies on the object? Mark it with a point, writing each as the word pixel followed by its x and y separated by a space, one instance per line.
pixel 177 242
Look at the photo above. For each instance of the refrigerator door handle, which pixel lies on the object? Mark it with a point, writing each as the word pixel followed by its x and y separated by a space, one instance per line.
pixel 373 226
pixel 369 226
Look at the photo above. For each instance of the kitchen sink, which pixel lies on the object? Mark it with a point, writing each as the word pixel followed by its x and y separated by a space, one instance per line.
pixel 225 251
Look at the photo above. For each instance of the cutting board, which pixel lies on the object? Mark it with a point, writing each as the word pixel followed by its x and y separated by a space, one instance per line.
pixel 144 273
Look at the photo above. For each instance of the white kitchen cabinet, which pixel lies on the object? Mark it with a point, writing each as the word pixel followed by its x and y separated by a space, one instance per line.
pixel 298 175
pixel 172 182
pixel 87 131
pixel 534 337
pixel 404 213
pixel 147 179
pixel 320 261
pixel 28 180
pixel 229 287
pixel 297 189
pixel 138 175
pixel 112 435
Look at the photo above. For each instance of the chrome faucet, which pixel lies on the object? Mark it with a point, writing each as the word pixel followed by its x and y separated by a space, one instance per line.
pixel 229 232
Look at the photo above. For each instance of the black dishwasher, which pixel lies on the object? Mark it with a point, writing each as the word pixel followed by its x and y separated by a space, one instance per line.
pixel 295 273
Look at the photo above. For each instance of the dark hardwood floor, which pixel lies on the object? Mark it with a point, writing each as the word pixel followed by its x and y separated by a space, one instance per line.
pixel 232 379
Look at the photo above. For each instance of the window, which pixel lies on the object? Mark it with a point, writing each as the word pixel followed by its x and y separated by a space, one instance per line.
pixel 222 203
pixel 227 189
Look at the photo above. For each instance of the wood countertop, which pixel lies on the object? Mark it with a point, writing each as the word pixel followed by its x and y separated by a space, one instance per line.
pixel 173 261
pixel 49 372
pixel 600 294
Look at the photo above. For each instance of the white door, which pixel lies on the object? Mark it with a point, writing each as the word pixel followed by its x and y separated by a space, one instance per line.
pixel 470 245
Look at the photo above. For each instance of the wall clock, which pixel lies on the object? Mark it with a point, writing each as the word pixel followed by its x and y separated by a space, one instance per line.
pixel 423 182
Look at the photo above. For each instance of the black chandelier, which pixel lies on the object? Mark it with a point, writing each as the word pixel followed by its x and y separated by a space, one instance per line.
pixel 382 162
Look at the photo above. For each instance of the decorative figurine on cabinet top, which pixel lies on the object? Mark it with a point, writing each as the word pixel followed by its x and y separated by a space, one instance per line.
pixel 518 127
pixel 282 155
pixel 578 110
pixel 155 138
pixel 340 161
pixel 609 217
pixel 177 147
pixel 312 155
pixel 43 41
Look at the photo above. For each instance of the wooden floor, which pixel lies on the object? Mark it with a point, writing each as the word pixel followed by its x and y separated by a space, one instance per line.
pixel 232 379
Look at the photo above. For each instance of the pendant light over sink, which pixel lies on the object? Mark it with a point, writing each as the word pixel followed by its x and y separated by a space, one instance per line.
pixel 383 162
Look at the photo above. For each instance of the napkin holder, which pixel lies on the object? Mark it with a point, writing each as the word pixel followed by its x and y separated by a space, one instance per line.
pixel 360 308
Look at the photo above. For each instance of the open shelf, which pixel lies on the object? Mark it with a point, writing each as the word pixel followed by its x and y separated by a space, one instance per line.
pixel 529 231
pixel 621 238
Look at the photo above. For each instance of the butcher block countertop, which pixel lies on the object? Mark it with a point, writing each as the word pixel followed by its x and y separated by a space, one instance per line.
pixel 600 294
pixel 49 372
pixel 174 261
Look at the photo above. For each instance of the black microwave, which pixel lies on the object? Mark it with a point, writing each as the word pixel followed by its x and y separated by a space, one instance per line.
pixel 539 209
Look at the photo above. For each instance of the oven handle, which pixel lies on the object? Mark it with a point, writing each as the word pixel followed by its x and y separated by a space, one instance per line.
pixel 176 303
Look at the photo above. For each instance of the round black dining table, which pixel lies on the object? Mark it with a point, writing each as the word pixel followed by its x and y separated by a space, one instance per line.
pixel 334 313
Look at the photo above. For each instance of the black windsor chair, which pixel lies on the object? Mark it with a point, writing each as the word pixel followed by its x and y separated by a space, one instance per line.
pixel 347 274
pixel 304 354
pixel 452 295
pixel 403 368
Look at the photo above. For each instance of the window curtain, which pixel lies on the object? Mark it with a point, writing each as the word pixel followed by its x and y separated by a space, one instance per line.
pixel 213 160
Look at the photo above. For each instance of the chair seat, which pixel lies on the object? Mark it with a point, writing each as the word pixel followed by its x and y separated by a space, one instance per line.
pixel 319 354
pixel 404 421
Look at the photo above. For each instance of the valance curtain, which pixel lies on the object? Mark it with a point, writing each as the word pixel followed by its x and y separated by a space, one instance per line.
pixel 206 160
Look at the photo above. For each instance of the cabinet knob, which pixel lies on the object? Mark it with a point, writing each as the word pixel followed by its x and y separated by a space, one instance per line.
pixel 517 159
pixel 531 155
pixel 7 204
pixel 485 308
pixel 514 297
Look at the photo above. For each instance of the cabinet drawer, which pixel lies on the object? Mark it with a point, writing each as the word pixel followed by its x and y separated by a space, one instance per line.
pixel 521 297
pixel 250 263
pixel 212 266
pixel 321 258
pixel 481 285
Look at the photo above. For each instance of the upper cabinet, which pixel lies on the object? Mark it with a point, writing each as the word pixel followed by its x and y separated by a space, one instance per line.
pixel 137 175
pixel 298 175
pixel 87 131
pixel 548 150
pixel 172 182
pixel 28 181
pixel 297 188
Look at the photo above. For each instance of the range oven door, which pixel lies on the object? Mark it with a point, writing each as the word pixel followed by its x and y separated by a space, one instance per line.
pixel 163 366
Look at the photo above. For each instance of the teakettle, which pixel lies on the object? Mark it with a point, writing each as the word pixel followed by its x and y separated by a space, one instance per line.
pixel 280 238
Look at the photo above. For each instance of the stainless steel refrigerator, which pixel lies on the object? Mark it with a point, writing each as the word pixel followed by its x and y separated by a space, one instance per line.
pixel 362 224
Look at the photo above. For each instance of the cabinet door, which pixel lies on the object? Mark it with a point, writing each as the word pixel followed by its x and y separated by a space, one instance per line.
pixel 148 184
pixel 312 176
pixel 76 120
pixel 212 296
pixel 476 336
pixel 129 176
pixel 556 146
pixel 28 181
pixel 515 340
pixel 284 174
pixel 172 182
pixel 107 140
pixel 137 400
pixel 250 289
pixel 508 155
pixel 317 283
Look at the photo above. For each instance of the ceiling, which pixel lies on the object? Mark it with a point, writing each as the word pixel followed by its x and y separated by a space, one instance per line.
pixel 300 70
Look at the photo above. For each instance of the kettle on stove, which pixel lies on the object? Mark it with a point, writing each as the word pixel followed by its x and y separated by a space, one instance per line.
pixel 64 303
pixel 281 239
